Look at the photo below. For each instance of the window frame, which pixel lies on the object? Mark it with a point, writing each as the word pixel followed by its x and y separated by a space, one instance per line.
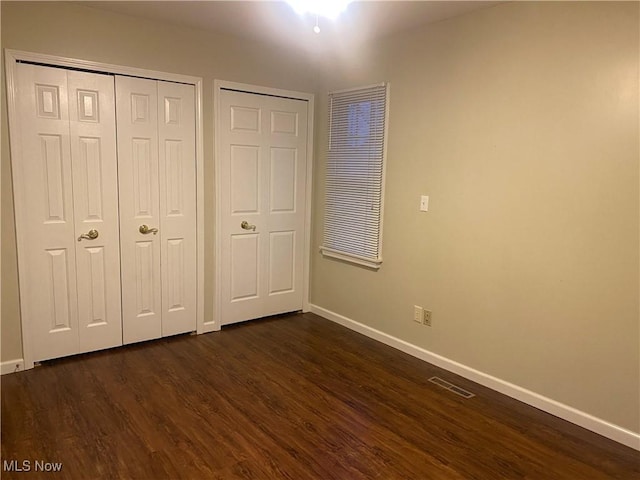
pixel 362 260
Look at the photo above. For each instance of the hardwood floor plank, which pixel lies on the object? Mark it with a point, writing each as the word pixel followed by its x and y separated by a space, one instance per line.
pixel 291 397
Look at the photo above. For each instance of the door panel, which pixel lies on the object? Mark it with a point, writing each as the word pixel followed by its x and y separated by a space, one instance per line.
pixel 284 122
pixel 175 266
pixel 89 165
pixel 245 262
pixel 58 272
pixel 139 194
pixel 95 203
pixel 144 272
pixel 97 286
pixel 263 180
pixel 282 256
pixel 45 195
pixel 283 180
pixel 53 153
pixel 245 118
pixel 144 173
pixel 177 180
pixel 245 178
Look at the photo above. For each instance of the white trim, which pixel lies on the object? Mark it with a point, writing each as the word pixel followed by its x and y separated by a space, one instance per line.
pixel 200 203
pixel 273 92
pixel 216 323
pixel 219 85
pixel 384 166
pixel 351 258
pixel 306 273
pixel 570 414
pixel 15 143
pixel 11 59
pixel 11 366
pixel 1 235
pixel 56 60
pixel 354 89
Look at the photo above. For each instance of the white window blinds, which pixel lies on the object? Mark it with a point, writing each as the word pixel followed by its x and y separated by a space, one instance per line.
pixel 355 175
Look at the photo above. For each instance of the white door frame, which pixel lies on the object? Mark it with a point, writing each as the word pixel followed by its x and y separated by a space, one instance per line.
pixel 12 57
pixel 219 85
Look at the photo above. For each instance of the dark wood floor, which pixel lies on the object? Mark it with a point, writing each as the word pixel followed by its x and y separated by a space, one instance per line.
pixel 295 397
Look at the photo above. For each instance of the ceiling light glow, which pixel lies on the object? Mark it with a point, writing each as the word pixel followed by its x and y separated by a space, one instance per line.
pixel 324 8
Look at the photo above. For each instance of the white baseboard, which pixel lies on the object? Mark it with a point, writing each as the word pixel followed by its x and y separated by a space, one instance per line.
pixel 585 420
pixel 11 366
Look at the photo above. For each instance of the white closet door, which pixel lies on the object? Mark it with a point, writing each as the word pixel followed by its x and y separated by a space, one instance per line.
pixel 95 200
pixel 44 213
pixel 137 131
pixel 64 187
pixel 157 178
pixel 263 142
pixel 177 172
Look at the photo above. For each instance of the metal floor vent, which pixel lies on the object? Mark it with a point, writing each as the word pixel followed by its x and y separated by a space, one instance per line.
pixel 450 386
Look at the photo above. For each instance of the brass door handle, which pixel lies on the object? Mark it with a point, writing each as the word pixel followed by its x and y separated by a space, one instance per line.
pixel 90 235
pixel 145 230
pixel 245 225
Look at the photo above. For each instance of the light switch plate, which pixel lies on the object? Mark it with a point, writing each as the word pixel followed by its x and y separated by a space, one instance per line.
pixel 424 203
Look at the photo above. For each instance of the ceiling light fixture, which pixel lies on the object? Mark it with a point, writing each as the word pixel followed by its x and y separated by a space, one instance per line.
pixel 323 8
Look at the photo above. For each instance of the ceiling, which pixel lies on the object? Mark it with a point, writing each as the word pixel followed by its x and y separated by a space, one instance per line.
pixel 274 22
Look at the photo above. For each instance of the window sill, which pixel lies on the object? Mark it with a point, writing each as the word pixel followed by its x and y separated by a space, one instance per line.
pixel 348 257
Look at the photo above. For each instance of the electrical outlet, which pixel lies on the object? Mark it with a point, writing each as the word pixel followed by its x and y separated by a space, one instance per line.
pixel 417 314
pixel 426 317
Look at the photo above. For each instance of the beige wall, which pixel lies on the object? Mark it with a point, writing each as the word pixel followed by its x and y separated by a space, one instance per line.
pixel 87 33
pixel 521 123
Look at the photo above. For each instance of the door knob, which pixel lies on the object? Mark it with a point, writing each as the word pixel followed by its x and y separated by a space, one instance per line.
pixel 90 235
pixel 245 225
pixel 145 230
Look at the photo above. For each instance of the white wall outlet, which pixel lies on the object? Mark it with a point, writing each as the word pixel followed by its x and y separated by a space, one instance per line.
pixel 424 203
pixel 426 317
pixel 417 314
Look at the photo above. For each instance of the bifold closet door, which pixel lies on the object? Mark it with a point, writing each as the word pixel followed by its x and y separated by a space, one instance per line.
pixel 137 119
pixel 157 187
pixel 177 160
pixel 67 211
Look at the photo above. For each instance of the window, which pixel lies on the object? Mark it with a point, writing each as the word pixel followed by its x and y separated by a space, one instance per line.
pixel 355 175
